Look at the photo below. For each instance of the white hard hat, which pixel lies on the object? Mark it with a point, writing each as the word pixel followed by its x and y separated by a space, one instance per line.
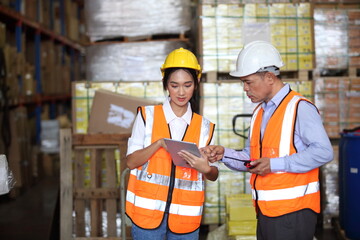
pixel 255 57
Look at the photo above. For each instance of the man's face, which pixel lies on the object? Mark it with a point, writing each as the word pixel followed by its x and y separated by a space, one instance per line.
pixel 258 87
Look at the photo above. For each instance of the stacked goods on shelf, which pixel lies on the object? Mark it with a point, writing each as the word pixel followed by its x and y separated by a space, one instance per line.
pixel 120 18
pixel 338 100
pixel 40 62
pixel 53 62
pixel 331 38
pixel 354 38
pixel 225 28
pixel 337 38
pixel 329 190
pixel 124 53
pixel 61 17
pixel 109 21
pixel 337 2
pixel 220 102
pixel 128 61
pixel 33 64
pixel 20 149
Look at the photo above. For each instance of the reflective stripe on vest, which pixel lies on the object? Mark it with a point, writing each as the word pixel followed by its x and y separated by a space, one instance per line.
pixel 148 186
pixel 287 126
pixel 152 204
pixel 280 193
pixel 287 193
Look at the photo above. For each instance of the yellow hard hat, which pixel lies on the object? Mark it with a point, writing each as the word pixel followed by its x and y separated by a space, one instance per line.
pixel 181 58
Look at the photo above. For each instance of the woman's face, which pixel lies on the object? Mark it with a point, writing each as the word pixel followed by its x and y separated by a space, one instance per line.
pixel 181 87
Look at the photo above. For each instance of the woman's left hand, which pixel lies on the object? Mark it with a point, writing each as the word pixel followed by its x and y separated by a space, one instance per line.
pixel 201 164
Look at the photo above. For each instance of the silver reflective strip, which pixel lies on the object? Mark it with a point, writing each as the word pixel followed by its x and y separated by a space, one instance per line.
pixel 253 121
pixel 286 193
pixel 204 132
pixel 287 127
pixel 149 111
pixel 143 175
pixel 146 203
pixel 185 210
pixel 188 185
pixel 152 204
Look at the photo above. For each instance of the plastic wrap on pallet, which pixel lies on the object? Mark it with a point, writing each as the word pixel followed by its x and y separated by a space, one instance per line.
pixel 331 38
pixel 50 136
pixel 106 19
pixel 330 184
pixel 287 26
pixel 134 61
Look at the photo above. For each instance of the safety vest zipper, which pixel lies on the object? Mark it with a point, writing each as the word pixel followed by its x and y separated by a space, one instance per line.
pixel 171 187
pixel 256 193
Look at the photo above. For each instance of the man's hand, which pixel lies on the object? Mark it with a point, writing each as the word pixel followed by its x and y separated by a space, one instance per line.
pixel 260 166
pixel 199 163
pixel 213 152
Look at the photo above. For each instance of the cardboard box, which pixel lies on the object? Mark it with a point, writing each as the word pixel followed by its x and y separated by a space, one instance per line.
pixel 113 112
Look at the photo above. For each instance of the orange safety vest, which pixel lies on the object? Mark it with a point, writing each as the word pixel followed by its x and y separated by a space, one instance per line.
pixel 280 193
pixel 159 186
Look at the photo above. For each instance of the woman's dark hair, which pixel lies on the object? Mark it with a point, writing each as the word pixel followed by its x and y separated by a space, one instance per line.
pixel 194 101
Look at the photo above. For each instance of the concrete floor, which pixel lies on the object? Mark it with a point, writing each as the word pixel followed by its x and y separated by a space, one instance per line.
pixel 34 215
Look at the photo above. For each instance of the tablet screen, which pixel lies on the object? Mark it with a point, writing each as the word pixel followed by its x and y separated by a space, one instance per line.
pixel 174 146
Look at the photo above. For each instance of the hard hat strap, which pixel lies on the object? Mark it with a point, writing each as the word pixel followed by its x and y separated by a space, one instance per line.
pixel 273 69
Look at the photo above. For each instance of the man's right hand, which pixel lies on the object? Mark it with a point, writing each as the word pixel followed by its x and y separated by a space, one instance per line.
pixel 213 152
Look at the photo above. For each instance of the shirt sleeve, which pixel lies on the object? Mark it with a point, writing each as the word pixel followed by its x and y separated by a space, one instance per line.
pixel 311 141
pixel 230 154
pixel 136 141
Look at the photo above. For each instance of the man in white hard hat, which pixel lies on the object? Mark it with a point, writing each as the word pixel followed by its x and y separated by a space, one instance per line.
pixel 287 144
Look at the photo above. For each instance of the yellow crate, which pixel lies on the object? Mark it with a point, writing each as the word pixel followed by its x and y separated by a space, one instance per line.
pixel 306 61
pixel 241 228
pixel 277 9
pixel 238 213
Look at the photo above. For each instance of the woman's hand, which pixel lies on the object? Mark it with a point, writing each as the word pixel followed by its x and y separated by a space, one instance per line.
pixel 140 156
pixel 201 164
pixel 213 152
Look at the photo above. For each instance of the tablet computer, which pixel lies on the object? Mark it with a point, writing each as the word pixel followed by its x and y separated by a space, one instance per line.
pixel 174 146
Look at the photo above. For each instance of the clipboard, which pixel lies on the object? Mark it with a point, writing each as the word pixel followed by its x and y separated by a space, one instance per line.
pixel 174 146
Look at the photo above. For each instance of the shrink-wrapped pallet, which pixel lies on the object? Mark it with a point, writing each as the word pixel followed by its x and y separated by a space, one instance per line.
pixel 107 19
pixel 133 61
pixel 331 38
pixel 226 28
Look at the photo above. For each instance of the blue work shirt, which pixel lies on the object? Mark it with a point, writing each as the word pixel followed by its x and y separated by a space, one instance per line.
pixel 311 140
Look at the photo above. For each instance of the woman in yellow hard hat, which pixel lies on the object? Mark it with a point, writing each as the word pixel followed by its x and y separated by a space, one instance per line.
pixel 165 201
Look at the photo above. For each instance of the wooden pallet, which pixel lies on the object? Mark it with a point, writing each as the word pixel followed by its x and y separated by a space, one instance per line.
pixel 351 72
pixel 298 75
pixel 145 38
pixel 78 197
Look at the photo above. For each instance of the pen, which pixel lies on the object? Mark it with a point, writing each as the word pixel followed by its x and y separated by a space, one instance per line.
pixel 237 159
pixel 246 162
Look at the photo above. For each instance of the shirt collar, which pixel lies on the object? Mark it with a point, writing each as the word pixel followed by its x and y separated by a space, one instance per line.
pixel 279 96
pixel 170 115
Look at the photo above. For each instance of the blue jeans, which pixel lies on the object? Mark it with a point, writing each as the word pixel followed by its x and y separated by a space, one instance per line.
pixel 161 233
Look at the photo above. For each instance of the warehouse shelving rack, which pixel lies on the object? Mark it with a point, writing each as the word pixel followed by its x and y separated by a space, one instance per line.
pixel 32 27
pixel 30 34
